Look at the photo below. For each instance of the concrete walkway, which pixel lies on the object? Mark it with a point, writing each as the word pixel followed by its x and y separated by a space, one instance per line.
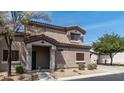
pixel 109 70
pixel 45 76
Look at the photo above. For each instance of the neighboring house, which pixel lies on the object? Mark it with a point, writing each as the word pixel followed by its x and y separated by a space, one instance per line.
pixel 96 58
pixel 47 47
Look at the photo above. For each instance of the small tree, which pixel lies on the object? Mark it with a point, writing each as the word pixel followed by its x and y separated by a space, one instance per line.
pixel 11 22
pixel 109 44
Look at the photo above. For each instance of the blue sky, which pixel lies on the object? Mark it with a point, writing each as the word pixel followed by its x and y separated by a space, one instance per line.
pixel 95 23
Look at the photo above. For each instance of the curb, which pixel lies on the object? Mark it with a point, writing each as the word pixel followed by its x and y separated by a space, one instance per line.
pixel 88 76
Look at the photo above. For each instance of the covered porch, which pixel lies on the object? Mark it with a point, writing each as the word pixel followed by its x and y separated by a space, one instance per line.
pixel 40 55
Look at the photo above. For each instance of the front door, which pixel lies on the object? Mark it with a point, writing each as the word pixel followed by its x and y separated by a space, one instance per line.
pixel 33 60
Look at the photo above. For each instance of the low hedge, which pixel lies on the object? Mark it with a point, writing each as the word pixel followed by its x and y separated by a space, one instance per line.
pixel 81 66
pixel 92 66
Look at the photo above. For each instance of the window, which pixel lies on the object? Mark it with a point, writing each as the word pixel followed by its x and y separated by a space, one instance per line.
pixel 79 56
pixel 15 55
pixel 5 55
pixel 75 36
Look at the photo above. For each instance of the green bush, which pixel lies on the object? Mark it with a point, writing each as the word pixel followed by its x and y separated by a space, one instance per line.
pixel 62 70
pixel 81 66
pixel 19 69
pixel 95 66
pixel 92 66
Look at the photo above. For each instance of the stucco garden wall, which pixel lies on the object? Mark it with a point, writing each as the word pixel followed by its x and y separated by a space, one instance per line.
pixel 118 58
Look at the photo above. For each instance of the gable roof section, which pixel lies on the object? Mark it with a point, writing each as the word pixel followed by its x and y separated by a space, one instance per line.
pixel 54 42
pixel 40 37
pixel 61 28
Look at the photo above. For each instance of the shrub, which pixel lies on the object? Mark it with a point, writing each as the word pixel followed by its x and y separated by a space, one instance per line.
pixel 19 69
pixel 62 70
pixel 92 66
pixel 75 71
pixel 81 66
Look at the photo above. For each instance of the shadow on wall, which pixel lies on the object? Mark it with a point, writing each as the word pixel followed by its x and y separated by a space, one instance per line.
pixel 22 51
pixel 60 61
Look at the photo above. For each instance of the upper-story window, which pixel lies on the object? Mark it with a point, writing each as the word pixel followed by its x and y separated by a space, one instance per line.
pixel 75 36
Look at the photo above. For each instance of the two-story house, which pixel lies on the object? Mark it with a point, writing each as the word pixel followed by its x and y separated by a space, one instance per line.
pixel 47 47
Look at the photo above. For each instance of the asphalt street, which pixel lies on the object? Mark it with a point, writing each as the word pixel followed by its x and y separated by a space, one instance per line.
pixel 113 77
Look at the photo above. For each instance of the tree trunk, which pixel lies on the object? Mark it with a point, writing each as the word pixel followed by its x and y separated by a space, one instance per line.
pixel 25 28
pixel 105 61
pixel 111 57
pixel 98 61
pixel 9 57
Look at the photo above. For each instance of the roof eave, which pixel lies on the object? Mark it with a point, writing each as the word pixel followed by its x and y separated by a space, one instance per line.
pixel 61 28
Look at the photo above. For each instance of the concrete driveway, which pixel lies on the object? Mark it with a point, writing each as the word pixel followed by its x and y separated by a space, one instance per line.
pixel 111 69
pixel 116 74
pixel 109 73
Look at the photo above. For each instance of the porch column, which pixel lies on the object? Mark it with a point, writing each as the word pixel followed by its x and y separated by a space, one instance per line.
pixel 52 59
pixel 29 58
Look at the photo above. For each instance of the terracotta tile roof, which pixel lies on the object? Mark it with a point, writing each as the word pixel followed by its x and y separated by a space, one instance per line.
pixel 54 42
pixel 40 37
pixel 75 46
pixel 61 28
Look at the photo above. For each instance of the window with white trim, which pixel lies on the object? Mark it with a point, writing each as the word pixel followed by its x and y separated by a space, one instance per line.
pixel 15 55
pixel 79 56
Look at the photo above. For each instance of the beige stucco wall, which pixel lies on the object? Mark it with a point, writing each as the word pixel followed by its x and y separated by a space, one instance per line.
pixel 18 44
pixel 60 36
pixel 63 37
pixel 2 44
pixel 67 57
